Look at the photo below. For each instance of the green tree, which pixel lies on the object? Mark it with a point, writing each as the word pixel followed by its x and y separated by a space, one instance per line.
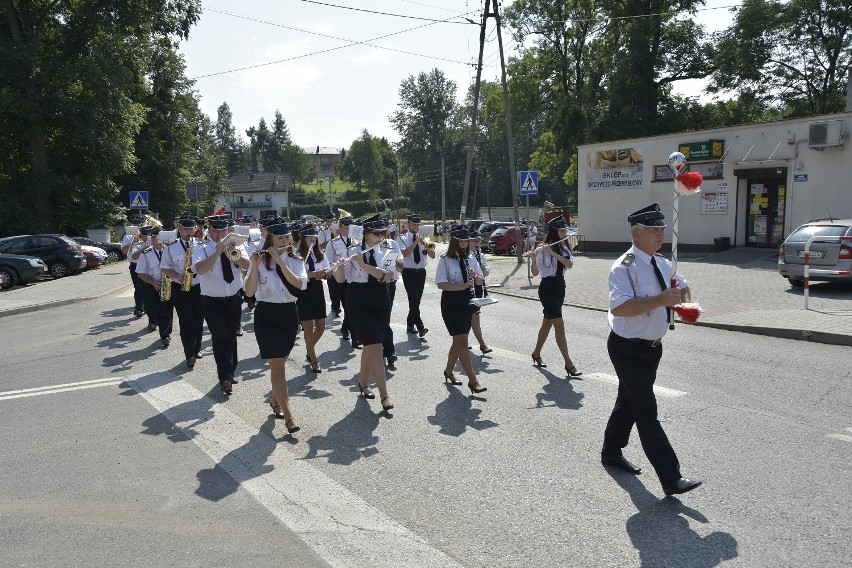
pixel 793 55
pixel 68 72
pixel 228 143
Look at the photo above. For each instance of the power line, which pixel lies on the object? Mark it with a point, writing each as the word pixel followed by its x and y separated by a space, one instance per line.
pixel 350 44
pixel 386 13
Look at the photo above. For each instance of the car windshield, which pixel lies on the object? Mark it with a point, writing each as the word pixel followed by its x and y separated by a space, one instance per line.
pixel 802 234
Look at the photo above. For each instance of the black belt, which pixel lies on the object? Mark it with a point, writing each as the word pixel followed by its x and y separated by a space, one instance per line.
pixel 646 342
pixel 415 269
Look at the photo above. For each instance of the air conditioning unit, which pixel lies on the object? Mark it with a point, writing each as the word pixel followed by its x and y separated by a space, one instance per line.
pixel 826 134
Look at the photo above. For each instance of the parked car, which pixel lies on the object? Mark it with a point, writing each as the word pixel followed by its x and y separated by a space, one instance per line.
pixel 16 269
pixel 502 240
pixel 830 260
pixel 94 256
pixel 113 250
pixel 310 219
pixel 487 227
pixel 61 255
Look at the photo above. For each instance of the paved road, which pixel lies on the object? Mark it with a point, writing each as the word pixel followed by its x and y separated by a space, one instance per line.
pixel 144 456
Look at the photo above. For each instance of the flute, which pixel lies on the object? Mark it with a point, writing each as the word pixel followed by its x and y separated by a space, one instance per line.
pixel 544 245
pixel 341 261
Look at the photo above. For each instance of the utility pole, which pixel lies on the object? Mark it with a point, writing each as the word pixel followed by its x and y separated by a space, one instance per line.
pixel 508 113
pixel 443 192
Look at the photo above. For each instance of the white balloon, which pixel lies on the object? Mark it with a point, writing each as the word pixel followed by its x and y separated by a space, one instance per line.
pixel 677 161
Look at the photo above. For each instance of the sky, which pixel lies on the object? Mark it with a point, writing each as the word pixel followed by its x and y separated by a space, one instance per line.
pixel 310 59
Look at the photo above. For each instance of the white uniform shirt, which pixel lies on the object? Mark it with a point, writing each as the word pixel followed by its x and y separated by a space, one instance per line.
pixel 479 265
pixel 318 264
pixel 547 265
pixel 635 278
pixel 270 287
pixel 213 282
pixel 253 246
pixel 149 263
pixel 355 273
pixel 141 245
pixel 405 241
pixel 449 271
pixel 324 234
pixel 336 248
pixel 174 257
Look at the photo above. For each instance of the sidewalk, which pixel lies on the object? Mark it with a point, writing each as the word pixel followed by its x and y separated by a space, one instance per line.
pixel 739 290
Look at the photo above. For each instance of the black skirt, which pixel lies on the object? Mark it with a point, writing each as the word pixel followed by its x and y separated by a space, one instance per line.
pixel 551 294
pixel 275 328
pixel 368 309
pixel 457 311
pixel 312 302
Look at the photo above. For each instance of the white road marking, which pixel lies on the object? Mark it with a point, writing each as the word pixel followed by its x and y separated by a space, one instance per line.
pixel 842 437
pixel 37 391
pixel 612 379
pixel 343 529
pixel 127 293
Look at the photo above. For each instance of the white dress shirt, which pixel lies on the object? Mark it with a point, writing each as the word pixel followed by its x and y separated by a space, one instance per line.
pixel 270 287
pixel 547 265
pixel 480 264
pixel 318 264
pixel 174 257
pixel 408 261
pixel 324 234
pixel 213 282
pixel 149 263
pixel 634 277
pixel 449 270
pixel 355 273
pixel 337 247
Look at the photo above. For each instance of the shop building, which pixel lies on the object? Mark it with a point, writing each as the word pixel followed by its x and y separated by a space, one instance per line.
pixel 761 181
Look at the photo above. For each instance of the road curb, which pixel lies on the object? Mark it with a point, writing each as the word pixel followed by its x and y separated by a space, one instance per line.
pixel 58 303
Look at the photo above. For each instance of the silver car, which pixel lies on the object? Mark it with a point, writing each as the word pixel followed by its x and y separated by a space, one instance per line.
pixel 830 259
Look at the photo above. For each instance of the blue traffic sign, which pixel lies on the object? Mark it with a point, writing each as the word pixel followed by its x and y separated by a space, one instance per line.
pixel 528 182
pixel 139 200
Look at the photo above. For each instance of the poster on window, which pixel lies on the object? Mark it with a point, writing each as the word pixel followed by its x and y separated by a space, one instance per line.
pixel 615 169
pixel 714 203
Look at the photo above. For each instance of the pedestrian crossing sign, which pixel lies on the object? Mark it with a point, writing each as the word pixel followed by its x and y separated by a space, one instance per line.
pixel 139 200
pixel 528 182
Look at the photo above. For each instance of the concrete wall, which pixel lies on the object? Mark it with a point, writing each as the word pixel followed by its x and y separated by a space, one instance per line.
pixel 613 184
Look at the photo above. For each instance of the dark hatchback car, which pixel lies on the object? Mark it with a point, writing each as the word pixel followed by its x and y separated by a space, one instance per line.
pixel 16 270
pixel 113 250
pixel 61 255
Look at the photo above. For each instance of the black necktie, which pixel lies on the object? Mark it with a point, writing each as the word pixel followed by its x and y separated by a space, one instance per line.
pixel 159 254
pixel 463 267
pixel 416 248
pixel 372 262
pixel 348 242
pixel 226 268
pixel 662 282
pixel 184 245
pixel 311 262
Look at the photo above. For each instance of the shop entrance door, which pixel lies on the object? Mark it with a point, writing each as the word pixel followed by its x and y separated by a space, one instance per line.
pixel 765 212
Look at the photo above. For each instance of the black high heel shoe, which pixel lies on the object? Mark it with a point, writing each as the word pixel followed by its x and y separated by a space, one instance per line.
pixel 389 404
pixel 476 387
pixel 451 378
pixel 292 425
pixel 537 362
pixel 485 349
pixel 367 392
pixel 572 371
pixel 276 411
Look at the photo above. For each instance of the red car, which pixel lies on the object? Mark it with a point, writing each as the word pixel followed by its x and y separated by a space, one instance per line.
pixel 94 256
pixel 502 240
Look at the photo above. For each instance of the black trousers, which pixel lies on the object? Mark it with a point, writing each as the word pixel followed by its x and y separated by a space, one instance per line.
pixel 346 326
pixel 138 289
pixel 636 366
pixel 190 312
pixel 159 312
pixel 414 280
pixel 223 320
pixel 387 343
pixel 334 294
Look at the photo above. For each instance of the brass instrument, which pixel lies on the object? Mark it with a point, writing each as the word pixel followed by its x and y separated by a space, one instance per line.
pixel 427 242
pixel 186 283
pixel 165 288
pixel 153 222
pixel 232 241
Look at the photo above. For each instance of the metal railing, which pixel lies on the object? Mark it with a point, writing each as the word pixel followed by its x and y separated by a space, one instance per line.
pixel 808 262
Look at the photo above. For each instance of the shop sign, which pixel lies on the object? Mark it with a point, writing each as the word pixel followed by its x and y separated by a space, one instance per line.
pixel 615 169
pixel 702 151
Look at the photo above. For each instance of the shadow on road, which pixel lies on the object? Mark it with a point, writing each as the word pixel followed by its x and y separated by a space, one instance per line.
pixel 350 439
pixel 456 414
pixel 559 392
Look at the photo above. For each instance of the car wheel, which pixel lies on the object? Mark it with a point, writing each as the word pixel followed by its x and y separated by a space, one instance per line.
pixel 8 278
pixel 797 282
pixel 59 269
pixel 113 256
pixel 513 250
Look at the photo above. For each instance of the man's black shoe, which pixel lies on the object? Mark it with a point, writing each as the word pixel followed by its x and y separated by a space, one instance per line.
pixel 226 387
pixel 621 463
pixel 198 355
pixel 345 336
pixel 190 363
pixel 166 342
pixel 356 344
pixel 681 485
pixel 422 332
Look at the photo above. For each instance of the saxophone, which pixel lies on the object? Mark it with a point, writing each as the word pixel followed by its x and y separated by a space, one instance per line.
pixel 186 284
pixel 165 288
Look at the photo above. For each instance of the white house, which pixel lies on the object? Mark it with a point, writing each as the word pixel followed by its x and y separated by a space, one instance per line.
pixel 761 181
pixel 256 194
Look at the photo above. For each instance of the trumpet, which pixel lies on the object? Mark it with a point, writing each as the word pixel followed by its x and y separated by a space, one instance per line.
pixel 232 241
pixel 427 242
pixel 545 245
